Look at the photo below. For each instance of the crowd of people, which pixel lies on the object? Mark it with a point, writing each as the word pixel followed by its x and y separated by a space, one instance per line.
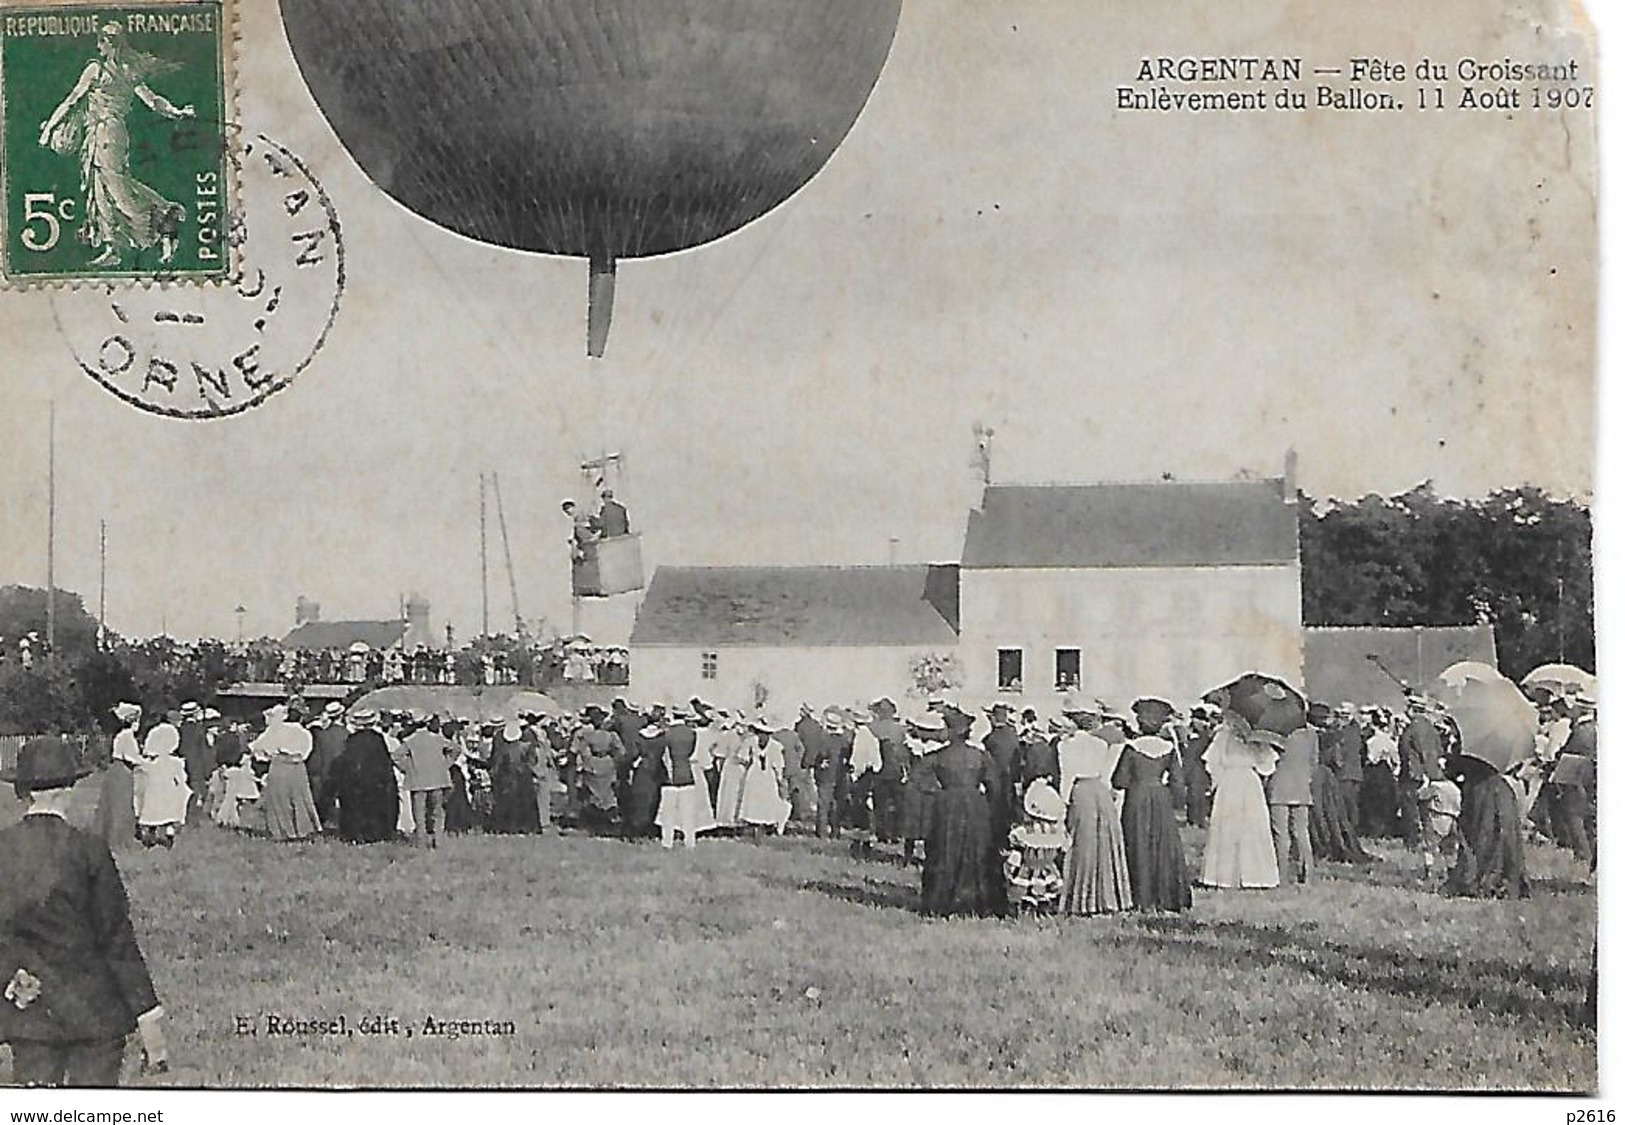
pixel 1079 813
pixel 498 660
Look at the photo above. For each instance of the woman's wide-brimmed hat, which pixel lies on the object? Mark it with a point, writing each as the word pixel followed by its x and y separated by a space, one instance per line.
pixel 127 712
pixel 45 763
pixel 929 721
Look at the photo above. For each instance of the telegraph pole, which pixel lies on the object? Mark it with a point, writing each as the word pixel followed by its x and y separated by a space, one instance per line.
pixel 101 597
pixel 50 538
pixel 485 580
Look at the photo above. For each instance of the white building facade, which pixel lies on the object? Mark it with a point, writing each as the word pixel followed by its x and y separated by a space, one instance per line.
pixel 1123 590
pixel 1120 590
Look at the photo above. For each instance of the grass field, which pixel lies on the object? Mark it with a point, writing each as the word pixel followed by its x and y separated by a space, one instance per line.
pixel 790 964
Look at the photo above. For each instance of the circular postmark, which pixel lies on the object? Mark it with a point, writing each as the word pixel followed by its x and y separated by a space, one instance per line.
pixel 213 350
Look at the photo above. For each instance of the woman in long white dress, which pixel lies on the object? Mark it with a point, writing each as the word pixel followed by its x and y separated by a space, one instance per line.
pixel 733 746
pixel 760 804
pixel 1240 851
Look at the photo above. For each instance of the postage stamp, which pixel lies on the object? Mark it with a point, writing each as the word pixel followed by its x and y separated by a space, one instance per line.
pixel 113 141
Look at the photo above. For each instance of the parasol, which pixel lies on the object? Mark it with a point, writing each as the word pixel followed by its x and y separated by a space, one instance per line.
pixel 1267 703
pixel 1561 679
pixel 1471 670
pixel 1497 723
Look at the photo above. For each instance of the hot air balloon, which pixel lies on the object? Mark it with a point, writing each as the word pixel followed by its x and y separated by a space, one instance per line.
pixel 598 129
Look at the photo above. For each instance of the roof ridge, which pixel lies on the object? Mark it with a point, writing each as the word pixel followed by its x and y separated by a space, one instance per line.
pixel 1134 483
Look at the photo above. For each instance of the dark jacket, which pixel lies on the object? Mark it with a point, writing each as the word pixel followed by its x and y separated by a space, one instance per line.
pixel 1419 751
pixel 680 740
pixel 65 919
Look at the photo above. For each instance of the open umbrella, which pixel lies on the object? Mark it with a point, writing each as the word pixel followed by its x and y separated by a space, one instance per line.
pixel 1472 670
pixel 1267 703
pixel 1561 679
pixel 1497 722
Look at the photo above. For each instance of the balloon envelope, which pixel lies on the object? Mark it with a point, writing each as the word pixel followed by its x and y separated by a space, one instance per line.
pixel 601 129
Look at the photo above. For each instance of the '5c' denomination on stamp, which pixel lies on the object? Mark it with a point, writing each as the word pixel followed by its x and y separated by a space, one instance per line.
pixel 112 141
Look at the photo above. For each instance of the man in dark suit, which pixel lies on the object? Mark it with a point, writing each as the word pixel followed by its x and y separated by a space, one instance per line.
pixel 328 742
pixel 1420 751
pixel 1348 760
pixel 197 755
pixel 612 518
pixel 1573 783
pixel 887 789
pixel 75 983
pixel 1198 785
pixel 1003 746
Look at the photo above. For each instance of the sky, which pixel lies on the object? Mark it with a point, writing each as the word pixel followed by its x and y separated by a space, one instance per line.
pixel 1120 296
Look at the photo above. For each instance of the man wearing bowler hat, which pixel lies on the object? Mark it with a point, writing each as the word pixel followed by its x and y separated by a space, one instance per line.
pixel 75 983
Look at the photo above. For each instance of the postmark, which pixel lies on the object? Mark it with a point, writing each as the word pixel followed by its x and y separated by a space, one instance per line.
pixel 212 351
pixel 113 141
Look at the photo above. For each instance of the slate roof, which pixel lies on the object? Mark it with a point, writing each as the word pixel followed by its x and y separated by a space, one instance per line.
pixel 1160 524
pixel 800 606
pixel 1337 668
pixel 343 634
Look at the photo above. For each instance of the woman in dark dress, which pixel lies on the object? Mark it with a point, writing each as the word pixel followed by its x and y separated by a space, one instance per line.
pixel 363 781
pixel 459 809
pixel 962 874
pixel 513 782
pixel 925 734
pixel 1145 771
pixel 648 778
pixel 1331 832
pixel 1490 862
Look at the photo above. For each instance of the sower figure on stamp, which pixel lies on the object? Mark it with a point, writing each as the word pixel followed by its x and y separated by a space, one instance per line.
pixel 121 212
pixel 75 981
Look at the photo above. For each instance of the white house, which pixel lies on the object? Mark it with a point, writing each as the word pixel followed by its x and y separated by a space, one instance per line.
pixel 780 636
pixel 1165 588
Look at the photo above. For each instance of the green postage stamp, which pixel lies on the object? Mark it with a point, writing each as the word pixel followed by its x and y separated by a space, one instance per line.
pixel 113 140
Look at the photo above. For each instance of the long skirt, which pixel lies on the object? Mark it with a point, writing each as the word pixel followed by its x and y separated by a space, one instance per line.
pixel 1096 871
pixel 115 809
pixel 290 809
pixel 685 809
pixel 513 801
pixel 1379 803
pixel 731 793
pixel 459 811
pixel 960 862
pixel 1331 828
pixel 1156 858
pixel 1490 863
pixel 759 801
pixel 1240 850
pixel 645 802
pixel 915 821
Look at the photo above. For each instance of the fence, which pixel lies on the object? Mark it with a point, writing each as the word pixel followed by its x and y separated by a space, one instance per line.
pixel 94 750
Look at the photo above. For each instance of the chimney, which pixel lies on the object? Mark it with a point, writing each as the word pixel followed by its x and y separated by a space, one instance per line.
pixel 306 611
pixel 417 621
pixel 1289 481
